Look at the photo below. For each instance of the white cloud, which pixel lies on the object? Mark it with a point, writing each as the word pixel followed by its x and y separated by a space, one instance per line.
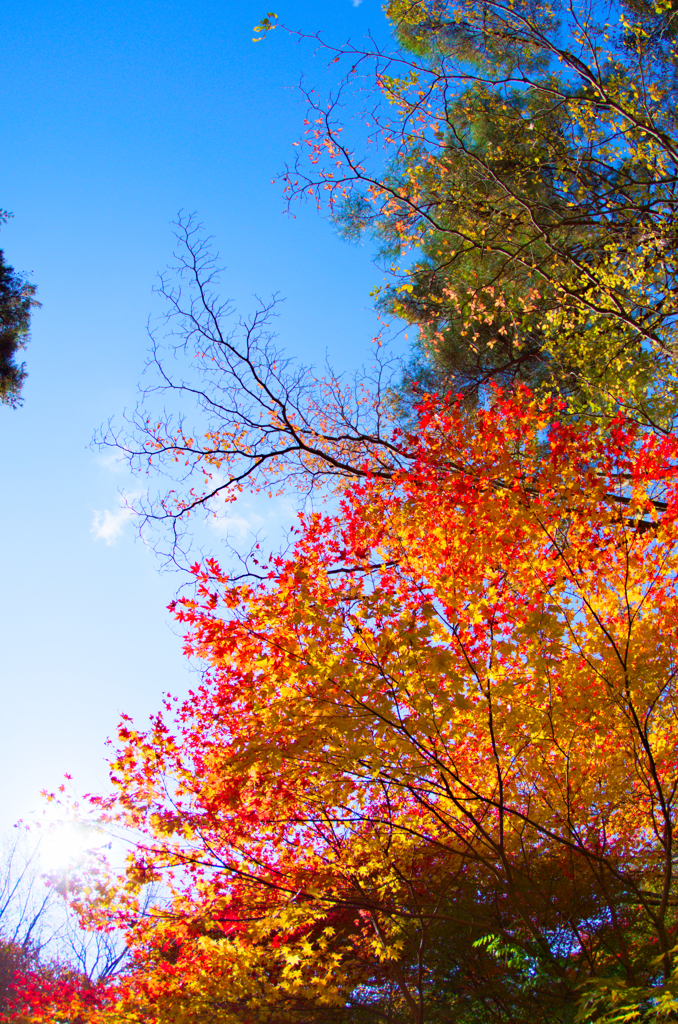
pixel 112 461
pixel 108 526
pixel 356 3
pixel 250 517
pixel 239 526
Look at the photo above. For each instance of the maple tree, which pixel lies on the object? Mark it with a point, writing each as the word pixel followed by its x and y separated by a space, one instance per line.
pixel 431 769
pixel 13 957
pixel 35 990
pixel 430 772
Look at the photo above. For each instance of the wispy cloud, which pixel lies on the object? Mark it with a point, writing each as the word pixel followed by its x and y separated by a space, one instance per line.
pixel 238 526
pixel 108 526
pixel 112 461
pixel 253 518
pixel 356 3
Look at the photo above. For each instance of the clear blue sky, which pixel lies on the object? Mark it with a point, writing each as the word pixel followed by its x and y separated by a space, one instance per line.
pixel 115 115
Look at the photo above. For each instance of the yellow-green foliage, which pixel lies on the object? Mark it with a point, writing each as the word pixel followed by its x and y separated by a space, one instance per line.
pixel 533 186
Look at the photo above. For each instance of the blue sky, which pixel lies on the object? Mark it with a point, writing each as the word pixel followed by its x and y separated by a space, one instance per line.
pixel 114 117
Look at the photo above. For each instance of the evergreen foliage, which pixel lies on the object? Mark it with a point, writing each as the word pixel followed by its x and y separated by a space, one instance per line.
pixel 17 298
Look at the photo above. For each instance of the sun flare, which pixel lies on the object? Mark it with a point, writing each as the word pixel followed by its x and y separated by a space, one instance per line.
pixel 65 846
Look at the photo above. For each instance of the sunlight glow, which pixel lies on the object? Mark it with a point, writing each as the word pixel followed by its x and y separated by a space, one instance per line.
pixel 65 846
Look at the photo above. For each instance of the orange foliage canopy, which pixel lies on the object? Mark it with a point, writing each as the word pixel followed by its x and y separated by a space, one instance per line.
pixel 434 753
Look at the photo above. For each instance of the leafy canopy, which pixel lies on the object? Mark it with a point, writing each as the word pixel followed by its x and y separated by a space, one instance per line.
pixel 431 770
pixel 17 298
pixel 524 196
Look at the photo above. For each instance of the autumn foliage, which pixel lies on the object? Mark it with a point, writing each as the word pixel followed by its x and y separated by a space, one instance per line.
pixel 431 770
pixel 51 992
